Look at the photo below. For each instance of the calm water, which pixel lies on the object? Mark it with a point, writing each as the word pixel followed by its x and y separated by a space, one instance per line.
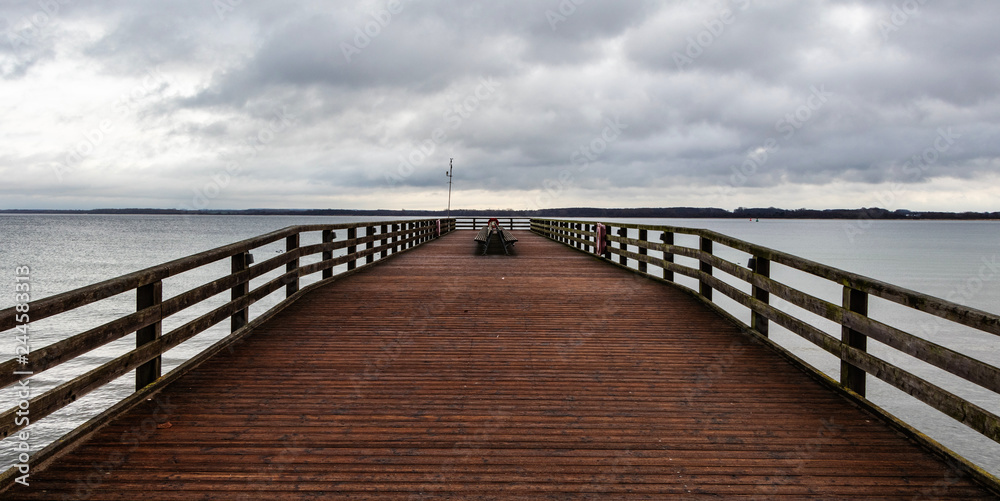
pixel 956 260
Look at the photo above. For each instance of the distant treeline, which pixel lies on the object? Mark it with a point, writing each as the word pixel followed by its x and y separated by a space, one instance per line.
pixel 587 212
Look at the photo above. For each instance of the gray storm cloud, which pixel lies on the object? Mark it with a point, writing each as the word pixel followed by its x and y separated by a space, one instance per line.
pixel 724 103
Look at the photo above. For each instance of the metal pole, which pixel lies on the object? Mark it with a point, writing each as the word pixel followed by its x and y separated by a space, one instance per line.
pixel 451 166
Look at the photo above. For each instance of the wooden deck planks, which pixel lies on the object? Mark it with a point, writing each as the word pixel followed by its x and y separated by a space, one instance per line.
pixel 545 374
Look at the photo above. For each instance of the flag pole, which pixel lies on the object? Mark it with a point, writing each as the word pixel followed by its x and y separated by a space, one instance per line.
pixel 451 167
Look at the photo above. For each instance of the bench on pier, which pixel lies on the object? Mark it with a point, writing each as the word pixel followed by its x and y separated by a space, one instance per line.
pixel 494 230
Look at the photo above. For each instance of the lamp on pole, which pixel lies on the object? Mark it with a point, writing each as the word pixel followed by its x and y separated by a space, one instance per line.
pixel 451 167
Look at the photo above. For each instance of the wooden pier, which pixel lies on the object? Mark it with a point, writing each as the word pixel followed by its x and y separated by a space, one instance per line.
pixel 546 374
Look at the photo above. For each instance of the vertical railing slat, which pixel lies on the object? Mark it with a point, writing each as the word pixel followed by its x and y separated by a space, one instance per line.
pixel 328 236
pixel 148 296
pixel 369 232
pixel 352 235
pixel 703 287
pixel 759 322
pixel 240 318
pixel 851 376
pixel 642 250
pixel 623 232
pixel 667 237
pixel 292 245
pixel 384 242
pixel 607 242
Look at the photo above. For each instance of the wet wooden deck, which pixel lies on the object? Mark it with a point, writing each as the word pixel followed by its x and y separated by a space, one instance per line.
pixel 546 374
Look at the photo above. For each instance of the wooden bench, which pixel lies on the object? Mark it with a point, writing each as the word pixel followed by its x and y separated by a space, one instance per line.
pixel 493 228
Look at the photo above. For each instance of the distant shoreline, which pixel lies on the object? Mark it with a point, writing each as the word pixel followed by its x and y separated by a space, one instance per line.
pixel 591 212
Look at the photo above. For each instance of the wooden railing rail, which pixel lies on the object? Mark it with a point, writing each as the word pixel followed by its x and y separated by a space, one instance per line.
pixel 376 241
pixel 475 223
pixel 851 313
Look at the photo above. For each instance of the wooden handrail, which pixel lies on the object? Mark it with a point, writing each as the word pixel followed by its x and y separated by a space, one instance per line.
pixel 153 309
pixel 59 303
pixel 965 315
pixel 475 223
pixel 851 315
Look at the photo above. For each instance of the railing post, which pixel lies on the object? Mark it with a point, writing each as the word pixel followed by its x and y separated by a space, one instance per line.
pixel 623 232
pixel 239 319
pixel 148 296
pixel 758 322
pixel 667 237
pixel 473 223
pixel 369 232
pixel 384 241
pixel 352 234
pixel 642 250
pixel 851 376
pixel 395 239
pixel 292 245
pixel 328 236
pixel 578 227
pixel 607 242
pixel 703 287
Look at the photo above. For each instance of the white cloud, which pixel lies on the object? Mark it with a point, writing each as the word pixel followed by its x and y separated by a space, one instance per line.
pixel 188 94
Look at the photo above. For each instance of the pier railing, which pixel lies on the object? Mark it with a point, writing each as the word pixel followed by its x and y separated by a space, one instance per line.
pixel 650 250
pixel 366 244
pixel 510 223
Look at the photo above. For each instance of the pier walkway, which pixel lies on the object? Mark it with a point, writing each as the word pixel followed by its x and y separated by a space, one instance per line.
pixel 547 374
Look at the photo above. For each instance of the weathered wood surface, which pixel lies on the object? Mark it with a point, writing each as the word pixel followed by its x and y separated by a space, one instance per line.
pixel 971 317
pixel 11 420
pixel 563 377
pixel 53 305
pixel 853 354
pixel 475 223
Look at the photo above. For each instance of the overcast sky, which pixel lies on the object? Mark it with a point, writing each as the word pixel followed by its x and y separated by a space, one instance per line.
pixel 542 103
